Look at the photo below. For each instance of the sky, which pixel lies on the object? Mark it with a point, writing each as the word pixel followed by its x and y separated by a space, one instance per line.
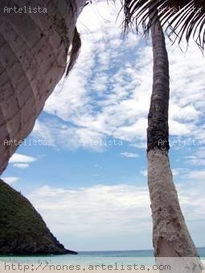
pixel 84 166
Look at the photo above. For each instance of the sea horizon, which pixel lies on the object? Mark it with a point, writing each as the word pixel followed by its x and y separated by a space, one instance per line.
pixel 122 250
pixel 124 257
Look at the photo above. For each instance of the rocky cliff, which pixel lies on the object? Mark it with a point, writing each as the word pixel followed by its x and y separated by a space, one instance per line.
pixel 22 229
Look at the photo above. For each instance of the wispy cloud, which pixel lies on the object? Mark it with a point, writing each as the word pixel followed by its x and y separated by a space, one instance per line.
pixel 21 165
pixel 107 93
pixel 129 155
pixel 143 172
pixel 10 179
pixel 198 175
pixel 198 158
pixel 21 158
pixel 109 210
pixel 21 161
pixel 93 210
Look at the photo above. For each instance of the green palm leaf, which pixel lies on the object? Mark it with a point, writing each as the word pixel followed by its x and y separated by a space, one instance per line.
pixel 183 18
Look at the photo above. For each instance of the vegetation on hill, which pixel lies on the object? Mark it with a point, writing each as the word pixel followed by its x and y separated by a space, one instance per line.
pixel 22 229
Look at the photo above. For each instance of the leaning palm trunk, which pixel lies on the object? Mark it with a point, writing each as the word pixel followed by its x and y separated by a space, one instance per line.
pixel 33 57
pixel 170 234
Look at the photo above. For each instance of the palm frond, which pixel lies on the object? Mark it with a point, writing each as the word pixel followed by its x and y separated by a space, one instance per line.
pixel 184 18
pixel 76 45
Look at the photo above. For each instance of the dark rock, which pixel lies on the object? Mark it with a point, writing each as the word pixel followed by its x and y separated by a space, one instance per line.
pixel 22 229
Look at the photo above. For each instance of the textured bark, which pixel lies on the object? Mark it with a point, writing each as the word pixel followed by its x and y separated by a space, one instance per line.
pixel 158 130
pixel 170 234
pixel 33 57
pixel 171 237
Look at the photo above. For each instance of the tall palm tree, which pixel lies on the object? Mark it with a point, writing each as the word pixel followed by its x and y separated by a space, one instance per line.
pixel 170 234
pixel 35 41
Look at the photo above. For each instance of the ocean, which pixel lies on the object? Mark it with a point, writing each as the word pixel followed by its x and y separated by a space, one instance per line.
pixel 124 257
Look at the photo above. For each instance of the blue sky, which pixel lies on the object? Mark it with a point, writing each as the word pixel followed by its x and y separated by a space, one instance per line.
pixel 87 174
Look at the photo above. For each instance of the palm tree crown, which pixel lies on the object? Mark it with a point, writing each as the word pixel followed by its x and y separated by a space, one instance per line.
pixel 184 18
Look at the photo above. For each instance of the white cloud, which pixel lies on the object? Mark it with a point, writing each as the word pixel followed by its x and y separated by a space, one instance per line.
pixel 129 155
pixel 107 211
pixel 192 199
pixel 180 172
pixel 141 144
pixel 91 209
pixel 21 165
pixel 143 172
pixel 10 179
pixel 107 93
pixel 180 129
pixel 74 100
pixel 21 158
pixel 41 132
pixel 21 161
pixel 193 175
pixel 189 113
pixel 68 137
pixel 198 158
pixel 197 175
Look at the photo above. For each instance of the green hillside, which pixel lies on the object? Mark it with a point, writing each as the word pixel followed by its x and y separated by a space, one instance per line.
pixel 22 229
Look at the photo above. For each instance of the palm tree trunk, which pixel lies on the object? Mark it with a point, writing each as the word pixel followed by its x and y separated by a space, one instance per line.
pixel 34 47
pixel 171 237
